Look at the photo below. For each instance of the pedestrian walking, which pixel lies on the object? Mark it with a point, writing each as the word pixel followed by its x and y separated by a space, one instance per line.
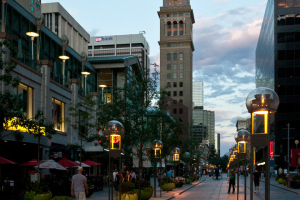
pixel 118 180
pixel 79 186
pixel 231 181
pixel 169 173
pixel 133 176
pixel 256 178
pixel 217 173
pixel 204 171
pixel 285 171
pixel 127 177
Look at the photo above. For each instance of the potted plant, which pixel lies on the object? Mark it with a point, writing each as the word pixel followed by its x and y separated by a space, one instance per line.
pixel 37 191
pixel 167 184
pixel 295 182
pixel 146 189
pixel 127 191
pixel 91 188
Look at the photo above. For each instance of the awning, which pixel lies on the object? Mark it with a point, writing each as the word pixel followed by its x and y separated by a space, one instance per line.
pixel 5 161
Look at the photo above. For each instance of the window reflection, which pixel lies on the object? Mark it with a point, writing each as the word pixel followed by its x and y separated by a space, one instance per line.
pixel 58 114
pixel 25 96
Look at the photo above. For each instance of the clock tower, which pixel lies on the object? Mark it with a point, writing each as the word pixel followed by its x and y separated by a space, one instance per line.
pixel 176 57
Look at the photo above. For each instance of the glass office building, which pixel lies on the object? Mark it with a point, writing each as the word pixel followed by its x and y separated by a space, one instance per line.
pixel 278 67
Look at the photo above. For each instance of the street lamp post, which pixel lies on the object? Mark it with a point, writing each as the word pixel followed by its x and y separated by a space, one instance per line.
pixel 261 102
pixel 102 87
pixel 32 35
pixel 176 157
pixel 85 77
pixel 156 145
pixel 243 137
pixel 187 156
pixel 297 162
pixel 64 57
pixel 114 130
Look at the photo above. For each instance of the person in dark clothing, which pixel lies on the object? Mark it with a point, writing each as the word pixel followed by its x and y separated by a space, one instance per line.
pixel 256 178
pixel 119 179
pixel 217 173
pixel 231 181
pixel 127 177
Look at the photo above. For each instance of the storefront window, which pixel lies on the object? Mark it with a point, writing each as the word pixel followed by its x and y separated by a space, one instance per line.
pixel 25 95
pixel 58 115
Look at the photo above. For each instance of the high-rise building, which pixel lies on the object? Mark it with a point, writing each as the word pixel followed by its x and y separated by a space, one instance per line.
pixel 217 144
pixel 60 22
pixel 277 57
pixel 176 51
pixel 30 5
pixel 204 120
pixel 198 93
pixel 121 45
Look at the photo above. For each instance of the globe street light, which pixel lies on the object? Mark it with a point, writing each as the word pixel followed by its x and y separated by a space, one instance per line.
pixel 261 102
pixel 102 87
pixel 176 157
pixel 156 145
pixel 32 35
pixel 242 139
pixel 85 77
pixel 114 130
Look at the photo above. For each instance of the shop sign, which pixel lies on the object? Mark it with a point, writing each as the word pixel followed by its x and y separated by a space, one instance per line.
pixel 100 39
pixel 14 126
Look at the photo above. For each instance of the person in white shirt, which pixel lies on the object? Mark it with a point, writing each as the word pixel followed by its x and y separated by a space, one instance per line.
pixel 285 171
pixel 133 176
pixel 114 176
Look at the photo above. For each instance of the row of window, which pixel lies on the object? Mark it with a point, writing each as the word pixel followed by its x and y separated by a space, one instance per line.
pixel 175 93
pixel 289 72
pixel 288 55
pixel 175 24
pixel 25 95
pixel 288 3
pixel 175 84
pixel 290 19
pixel 174 66
pixel 175 45
pixel 169 56
pixel 175 33
pixel 174 75
pixel 175 15
pixel 180 111
pixel 288 37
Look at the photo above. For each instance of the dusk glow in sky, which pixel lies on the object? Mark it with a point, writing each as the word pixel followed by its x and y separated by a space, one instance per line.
pixel 225 39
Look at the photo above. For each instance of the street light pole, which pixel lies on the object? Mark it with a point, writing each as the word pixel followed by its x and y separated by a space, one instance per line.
pixel 297 142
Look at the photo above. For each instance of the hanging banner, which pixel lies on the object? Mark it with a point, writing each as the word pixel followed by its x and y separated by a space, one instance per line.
pixel 271 149
pixel 294 158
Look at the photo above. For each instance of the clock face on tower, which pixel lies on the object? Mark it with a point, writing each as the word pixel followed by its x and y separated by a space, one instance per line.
pixel 174 2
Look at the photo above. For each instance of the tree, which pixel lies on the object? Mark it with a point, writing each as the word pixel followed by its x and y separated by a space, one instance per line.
pixel 10 106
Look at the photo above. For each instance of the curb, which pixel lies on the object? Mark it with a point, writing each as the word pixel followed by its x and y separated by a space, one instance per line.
pixel 283 188
pixel 187 189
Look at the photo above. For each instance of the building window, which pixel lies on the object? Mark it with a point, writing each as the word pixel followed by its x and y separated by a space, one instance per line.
pixel 181 66
pixel 174 84
pixel 169 93
pixel 168 45
pixel 169 25
pixel 32 1
pixel 168 67
pixel 174 75
pixel 37 5
pixel 175 33
pixel 180 14
pixel 168 84
pixel 181 75
pixel 169 33
pixel 181 93
pixel 32 8
pixel 169 57
pixel 180 32
pixel 174 93
pixel 169 76
pixel 168 15
pixel 174 111
pixel 181 101
pixel 174 15
pixel 180 44
pixel 181 24
pixel 181 56
pixel 174 56
pixel 180 111
pixel 174 66
pixel 83 128
pixel 58 114
pixel 180 84
pixel 174 45
pixel 25 95
pixel 174 102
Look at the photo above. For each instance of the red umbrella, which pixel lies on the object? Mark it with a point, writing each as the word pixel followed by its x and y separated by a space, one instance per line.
pixel 91 163
pixel 5 161
pixel 67 163
pixel 30 163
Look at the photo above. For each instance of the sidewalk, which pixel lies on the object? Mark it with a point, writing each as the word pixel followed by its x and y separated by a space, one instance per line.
pixel 276 184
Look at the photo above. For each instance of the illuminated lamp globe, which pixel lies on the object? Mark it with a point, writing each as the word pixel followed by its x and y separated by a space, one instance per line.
pixel 243 136
pixel 114 127
pixel 64 57
pixel 32 34
pixel 262 100
pixel 103 86
pixel 186 155
pixel 85 73
pixel 176 150
pixel 156 145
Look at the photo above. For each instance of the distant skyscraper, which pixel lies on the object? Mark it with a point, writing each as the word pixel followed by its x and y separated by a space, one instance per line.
pixel 198 93
pixel 176 53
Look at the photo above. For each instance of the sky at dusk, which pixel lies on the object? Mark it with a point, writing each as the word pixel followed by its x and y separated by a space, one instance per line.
pixel 225 38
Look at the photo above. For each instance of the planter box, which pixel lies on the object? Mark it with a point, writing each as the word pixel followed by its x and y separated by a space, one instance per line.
pixel 168 186
pixel 295 184
pixel 128 197
pixel 146 194
pixel 42 197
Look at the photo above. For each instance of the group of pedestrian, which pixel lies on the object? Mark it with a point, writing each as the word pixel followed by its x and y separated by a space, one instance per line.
pixel 119 177
pixel 256 177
